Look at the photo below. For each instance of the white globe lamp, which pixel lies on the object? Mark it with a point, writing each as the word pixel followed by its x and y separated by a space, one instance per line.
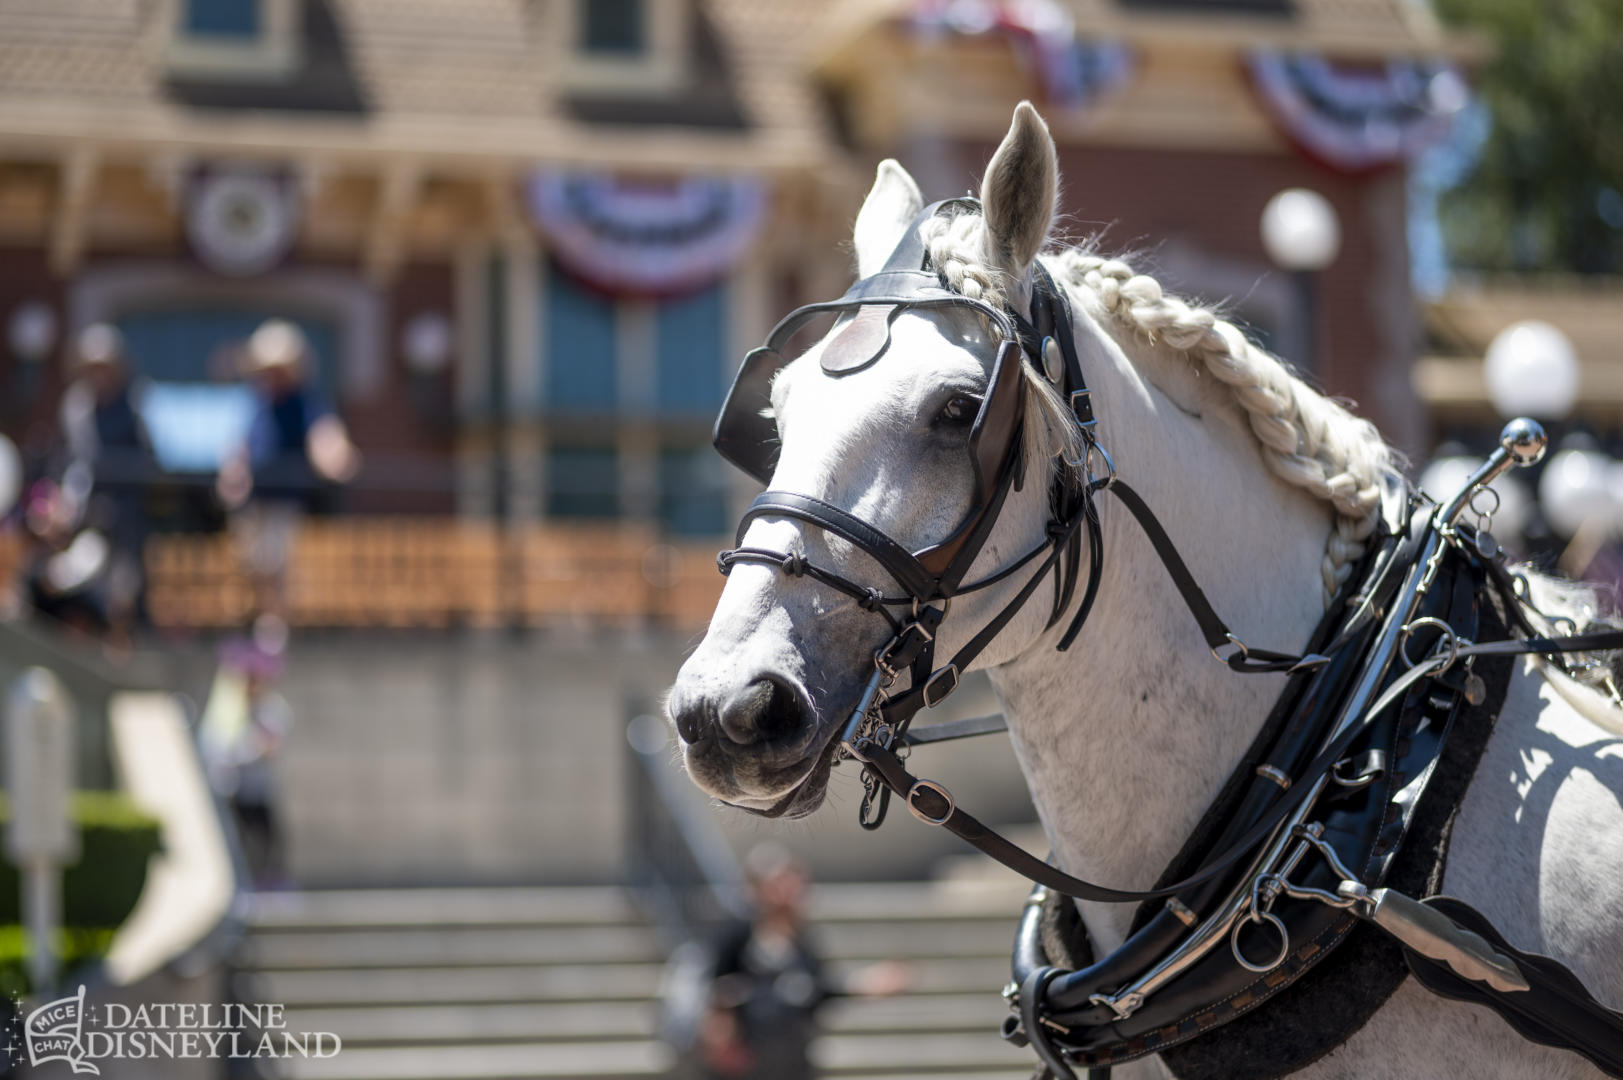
pixel 11 475
pixel 1300 230
pixel 1531 370
pixel 426 343
pixel 1576 487
pixel 31 331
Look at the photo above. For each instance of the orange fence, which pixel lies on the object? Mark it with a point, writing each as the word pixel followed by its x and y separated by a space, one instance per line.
pixel 433 572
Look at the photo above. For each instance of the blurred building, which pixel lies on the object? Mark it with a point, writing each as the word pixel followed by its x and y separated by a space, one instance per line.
pixel 529 240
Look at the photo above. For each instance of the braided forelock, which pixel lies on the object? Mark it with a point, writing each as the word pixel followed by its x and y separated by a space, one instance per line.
pixel 1308 440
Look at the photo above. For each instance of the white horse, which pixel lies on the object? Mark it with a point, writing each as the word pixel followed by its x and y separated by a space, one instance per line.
pixel 1268 489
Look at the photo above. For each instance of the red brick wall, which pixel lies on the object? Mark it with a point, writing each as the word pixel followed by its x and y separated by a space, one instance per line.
pixel 28 399
pixel 1367 330
pixel 404 430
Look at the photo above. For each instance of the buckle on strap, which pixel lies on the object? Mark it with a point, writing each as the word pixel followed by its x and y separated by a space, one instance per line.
pixel 941 683
pixel 909 641
pixel 940 792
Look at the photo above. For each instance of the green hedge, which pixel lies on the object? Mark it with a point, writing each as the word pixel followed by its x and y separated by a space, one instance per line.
pixel 99 891
pixel 116 839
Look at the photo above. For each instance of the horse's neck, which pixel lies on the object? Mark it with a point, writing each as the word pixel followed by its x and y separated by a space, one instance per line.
pixel 1126 738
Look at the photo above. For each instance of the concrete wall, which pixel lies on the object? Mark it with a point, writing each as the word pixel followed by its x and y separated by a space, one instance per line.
pixel 498 758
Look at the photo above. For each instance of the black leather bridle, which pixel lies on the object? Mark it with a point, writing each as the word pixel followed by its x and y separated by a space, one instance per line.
pixel 746 435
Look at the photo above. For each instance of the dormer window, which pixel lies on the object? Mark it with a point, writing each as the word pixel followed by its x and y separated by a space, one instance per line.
pixel 235 40
pixel 612 27
pixel 623 47
pixel 233 19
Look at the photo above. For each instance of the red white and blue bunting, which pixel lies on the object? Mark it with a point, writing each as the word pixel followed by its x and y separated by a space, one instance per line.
pixel 1358 117
pixel 1074 72
pixel 646 237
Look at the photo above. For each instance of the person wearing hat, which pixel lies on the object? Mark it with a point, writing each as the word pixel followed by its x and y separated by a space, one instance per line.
pixel 99 420
pixel 109 462
pixel 296 445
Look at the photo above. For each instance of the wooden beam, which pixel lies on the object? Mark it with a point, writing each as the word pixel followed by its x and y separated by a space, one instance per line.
pixel 387 239
pixel 71 226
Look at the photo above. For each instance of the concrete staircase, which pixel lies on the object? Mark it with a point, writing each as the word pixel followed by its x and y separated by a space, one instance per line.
pixel 436 984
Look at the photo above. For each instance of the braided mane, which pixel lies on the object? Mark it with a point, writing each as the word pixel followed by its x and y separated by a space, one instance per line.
pixel 1307 440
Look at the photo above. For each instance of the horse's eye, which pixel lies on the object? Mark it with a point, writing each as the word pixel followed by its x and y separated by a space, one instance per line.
pixel 961 409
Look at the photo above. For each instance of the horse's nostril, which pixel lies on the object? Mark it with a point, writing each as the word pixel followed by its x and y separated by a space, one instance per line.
pixel 690 721
pixel 765 709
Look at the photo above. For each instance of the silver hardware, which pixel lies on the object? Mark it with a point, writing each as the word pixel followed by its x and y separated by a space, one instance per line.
pixel 1182 911
pixel 1431 933
pixel 1216 928
pixel 1053 361
pixel 1352 783
pixel 1011 991
pixel 1448 647
pixel 930 785
pixel 1239 650
pixel 1484 517
pixel 934 695
pixel 1092 448
pixel 1521 443
pixel 1476 691
pixel 1271 919
pixel 1276 774
pixel 1524 440
pixel 1123 1005
pixel 866 715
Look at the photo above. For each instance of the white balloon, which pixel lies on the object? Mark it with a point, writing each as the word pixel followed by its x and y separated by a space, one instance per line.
pixel 1531 370
pixel 1574 488
pixel 11 474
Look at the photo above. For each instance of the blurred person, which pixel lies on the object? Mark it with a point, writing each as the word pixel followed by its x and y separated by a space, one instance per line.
pixel 767 980
pixel 66 565
pixel 244 725
pixel 296 445
pixel 109 456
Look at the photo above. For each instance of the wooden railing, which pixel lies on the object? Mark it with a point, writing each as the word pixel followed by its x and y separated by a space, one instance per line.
pixel 437 572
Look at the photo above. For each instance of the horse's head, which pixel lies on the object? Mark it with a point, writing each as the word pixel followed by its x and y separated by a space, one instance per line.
pixel 916 419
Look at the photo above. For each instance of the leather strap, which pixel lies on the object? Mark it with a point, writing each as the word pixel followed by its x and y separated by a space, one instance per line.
pixel 1246 660
pixel 948 730
pixel 1556 1009
pixel 896 559
pixel 929 802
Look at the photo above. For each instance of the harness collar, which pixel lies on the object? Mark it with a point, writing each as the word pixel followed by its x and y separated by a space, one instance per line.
pixel 1128 1005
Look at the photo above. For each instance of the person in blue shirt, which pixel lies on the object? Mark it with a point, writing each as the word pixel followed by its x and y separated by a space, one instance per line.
pixel 295 447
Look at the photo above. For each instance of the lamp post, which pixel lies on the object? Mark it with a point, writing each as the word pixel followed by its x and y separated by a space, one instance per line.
pixel 1302 235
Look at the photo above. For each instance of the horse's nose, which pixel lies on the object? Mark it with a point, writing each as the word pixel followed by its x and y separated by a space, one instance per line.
pixel 761 710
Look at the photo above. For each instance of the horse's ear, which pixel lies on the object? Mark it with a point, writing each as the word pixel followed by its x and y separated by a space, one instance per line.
pixel 890 207
pixel 1018 194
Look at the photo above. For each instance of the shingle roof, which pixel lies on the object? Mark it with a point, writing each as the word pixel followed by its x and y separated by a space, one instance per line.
pixel 450 80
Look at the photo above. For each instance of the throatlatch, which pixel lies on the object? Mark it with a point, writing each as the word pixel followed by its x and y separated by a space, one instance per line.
pixel 1298 850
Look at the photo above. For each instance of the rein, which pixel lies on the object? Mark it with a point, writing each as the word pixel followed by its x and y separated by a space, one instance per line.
pixel 1407 641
